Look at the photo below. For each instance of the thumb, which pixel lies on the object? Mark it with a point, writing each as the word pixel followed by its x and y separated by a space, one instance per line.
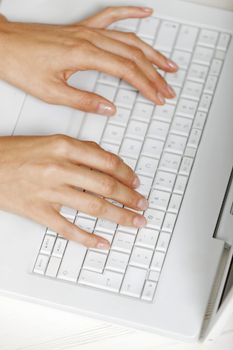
pixel 82 100
pixel 112 14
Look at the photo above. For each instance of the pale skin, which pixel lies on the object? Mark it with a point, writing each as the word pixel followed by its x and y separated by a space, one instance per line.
pixel 38 175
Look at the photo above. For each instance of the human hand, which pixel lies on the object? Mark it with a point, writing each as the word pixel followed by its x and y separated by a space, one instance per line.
pixel 40 174
pixel 40 58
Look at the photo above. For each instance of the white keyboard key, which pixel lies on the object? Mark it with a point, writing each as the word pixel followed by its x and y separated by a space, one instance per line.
pixel 130 162
pixel 109 280
pixel 147 166
pixel 173 101
pixel 187 38
pixel 174 204
pixel 181 126
pixel 180 184
pixel 72 262
pixel 216 67
pixel 68 213
pixel 164 113
pixel 211 84
pixel 147 238
pixel 177 78
pixel 125 98
pixel 85 224
pixel 220 55
pixel 158 130
pixel 187 108
pixel 142 99
pixel 94 261
pixel 159 199
pixel 113 134
pixel 117 261
pixel 121 117
pixel 163 242
pixel 207 38
pixel 59 247
pixel 157 261
pixel 181 58
pixel 87 132
pixel 128 229
pixel 199 120
pixel 133 281
pixel 130 24
pixel 142 111
pixel 223 41
pixel 205 103
pixel 148 27
pixel 154 276
pixel 47 245
pixel 152 148
pixel 109 147
pixel 170 162
pixel 203 55
pixel 41 264
pixel 149 290
pixel 105 226
pixel 197 73
pixel 53 267
pixel 136 130
pixel 141 257
pixel 190 152
pixel 175 144
pixel 51 232
pixel 166 36
pixel 123 242
pixel 154 218
pixel 186 166
pixel 108 79
pixel 194 138
pixel 192 90
pixel 145 185
pixel 164 181
pixel 169 222
pixel 106 91
pixel 130 148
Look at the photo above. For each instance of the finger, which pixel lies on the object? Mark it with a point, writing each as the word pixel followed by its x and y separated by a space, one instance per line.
pixel 107 62
pixel 99 207
pixel 59 224
pixel 102 184
pixel 112 14
pixel 137 55
pixel 153 55
pixel 92 155
pixel 79 99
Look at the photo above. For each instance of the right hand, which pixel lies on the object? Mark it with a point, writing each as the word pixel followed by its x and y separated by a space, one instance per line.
pixel 40 174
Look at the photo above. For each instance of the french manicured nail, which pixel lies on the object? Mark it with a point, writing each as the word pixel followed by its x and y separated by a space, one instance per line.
pixel 106 109
pixel 160 98
pixel 136 182
pixel 139 221
pixel 143 204
pixel 103 245
pixel 172 64
pixel 147 9
pixel 171 91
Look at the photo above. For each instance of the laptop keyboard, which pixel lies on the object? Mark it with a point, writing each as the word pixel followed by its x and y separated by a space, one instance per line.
pixel 160 143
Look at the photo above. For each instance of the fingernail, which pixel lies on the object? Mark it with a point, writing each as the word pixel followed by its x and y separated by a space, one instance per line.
pixel 136 182
pixel 172 64
pixel 139 221
pixel 161 98
pixel 103 245
pixel 171 91
pixel 147 9
pixel 106 109
pixel 143 204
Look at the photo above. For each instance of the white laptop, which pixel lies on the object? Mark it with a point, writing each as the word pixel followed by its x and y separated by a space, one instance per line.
pixel 174 277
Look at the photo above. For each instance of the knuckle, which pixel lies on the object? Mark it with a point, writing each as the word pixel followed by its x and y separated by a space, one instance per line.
pixel 138 55
pixel 130 67
pixel 109 186
pixel 90 241
pixel 97 207
pixel 132 36
pixel 61 144
pixel 52 169
pixel 93 144
pixel 112 161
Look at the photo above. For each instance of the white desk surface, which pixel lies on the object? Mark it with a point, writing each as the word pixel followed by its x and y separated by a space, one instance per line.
pixel 26 326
